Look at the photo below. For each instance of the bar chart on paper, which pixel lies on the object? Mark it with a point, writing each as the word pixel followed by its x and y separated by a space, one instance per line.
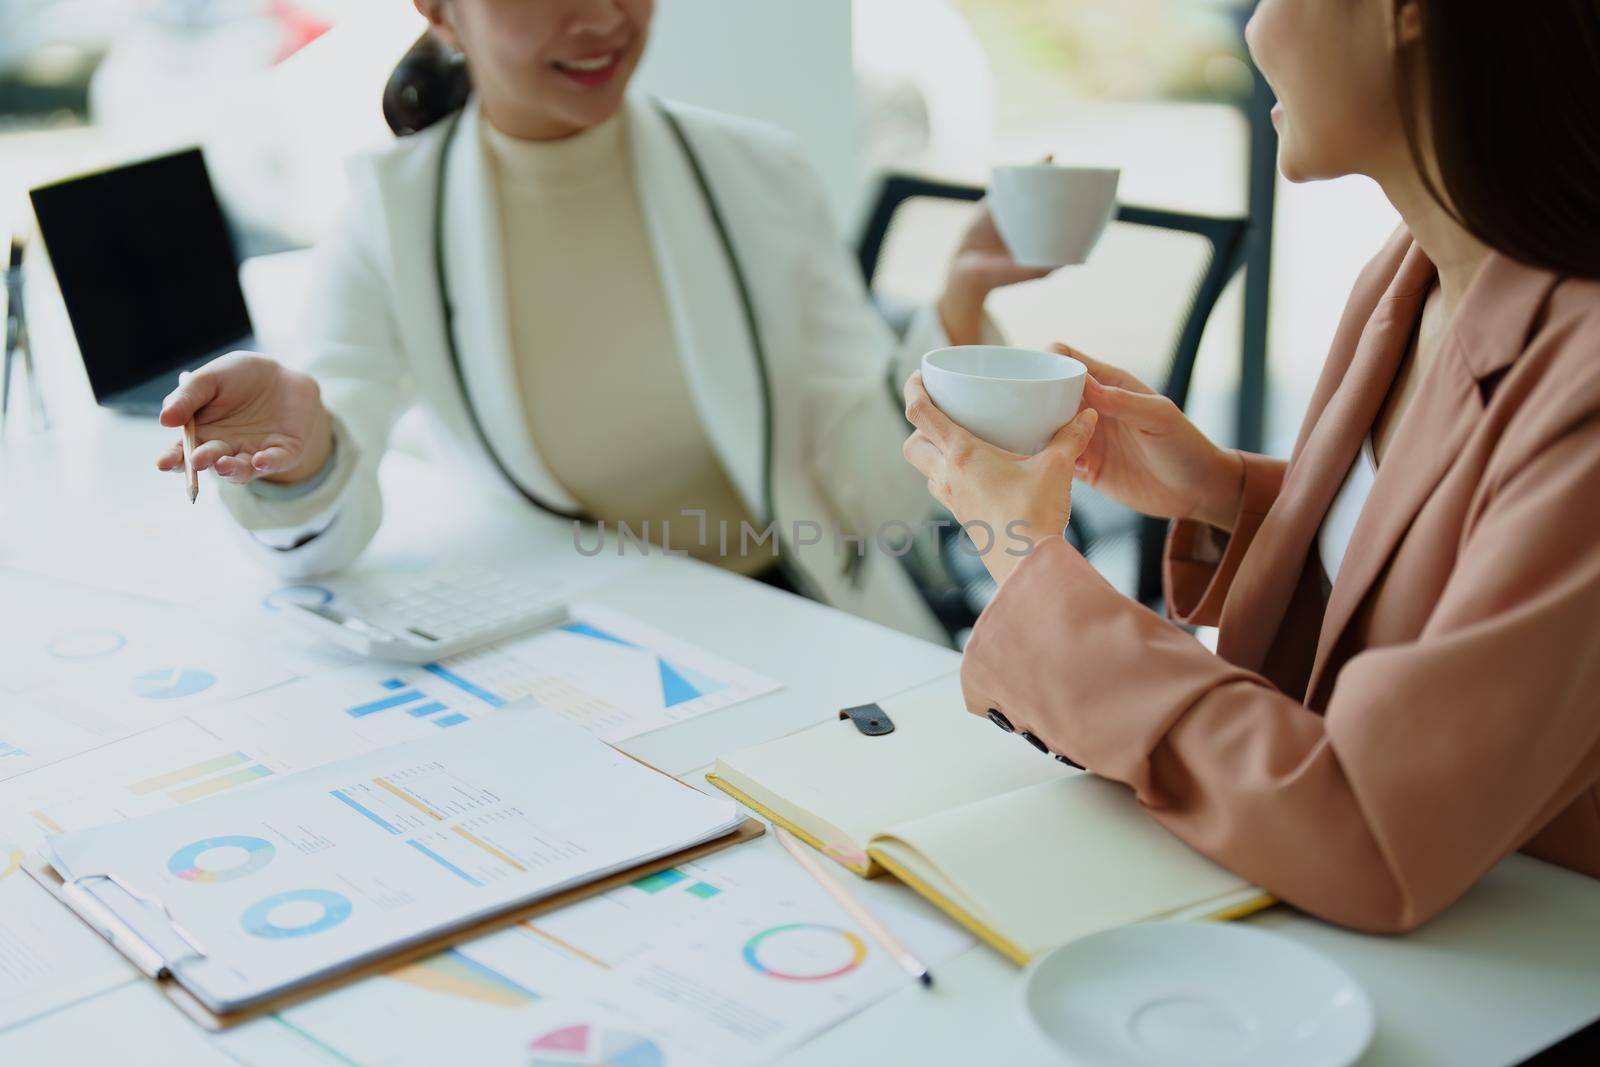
pixel 349 711
pixel 164 767
pixel 464 828
pixel 613 676
pixel 414 699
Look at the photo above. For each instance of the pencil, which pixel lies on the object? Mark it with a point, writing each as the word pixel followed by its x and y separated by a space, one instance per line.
pixel 191 476
pixel 188 461
pixel 908 963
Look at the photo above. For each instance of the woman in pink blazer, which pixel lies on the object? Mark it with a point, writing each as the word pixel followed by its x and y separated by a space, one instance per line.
pixel 1406 686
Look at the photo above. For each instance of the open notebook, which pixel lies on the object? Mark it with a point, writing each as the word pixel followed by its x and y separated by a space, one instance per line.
pixel 1024 851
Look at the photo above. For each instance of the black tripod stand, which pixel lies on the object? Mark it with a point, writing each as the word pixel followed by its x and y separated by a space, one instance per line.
pixel 17 341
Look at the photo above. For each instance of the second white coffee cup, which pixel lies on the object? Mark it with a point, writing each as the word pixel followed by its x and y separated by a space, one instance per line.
pixel 1051 215
pixel 1016 398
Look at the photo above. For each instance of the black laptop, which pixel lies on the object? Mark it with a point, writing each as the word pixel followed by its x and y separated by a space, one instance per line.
pixel 148 273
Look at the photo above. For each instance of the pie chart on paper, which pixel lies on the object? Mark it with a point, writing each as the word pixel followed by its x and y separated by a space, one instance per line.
pixel 169 683
pixel 594 1046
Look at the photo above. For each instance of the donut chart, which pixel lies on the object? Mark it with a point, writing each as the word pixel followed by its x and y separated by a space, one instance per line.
pixel 186 862
pixel 804 952
pixel 334 908
pixel 90 643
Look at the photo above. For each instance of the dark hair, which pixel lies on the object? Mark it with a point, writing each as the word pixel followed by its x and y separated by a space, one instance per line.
pixel 1511 95
pixel 429 82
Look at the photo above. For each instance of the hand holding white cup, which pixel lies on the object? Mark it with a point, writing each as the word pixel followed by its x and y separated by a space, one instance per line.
pixel 1014 398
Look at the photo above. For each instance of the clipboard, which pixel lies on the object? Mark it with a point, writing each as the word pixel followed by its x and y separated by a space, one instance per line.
pixel 50 879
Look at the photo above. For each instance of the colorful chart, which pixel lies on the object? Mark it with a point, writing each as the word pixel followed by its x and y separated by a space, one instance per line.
pixel 168 683
pixel 255 853
pixel 91 643
pixel 679 684
pixel 258 918
pixel 594 1046
pixel 202 779
pixel 404 696
pixel 311 595
pixel 805 952
pixel 453 974
pixel 655 883
pixel 10 860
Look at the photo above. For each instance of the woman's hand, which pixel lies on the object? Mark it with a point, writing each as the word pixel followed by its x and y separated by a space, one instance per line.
pixel 981 264
pixel 253 418
pixel 1011 502
pixel 1148 456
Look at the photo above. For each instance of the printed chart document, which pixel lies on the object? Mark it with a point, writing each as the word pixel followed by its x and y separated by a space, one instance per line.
pixel 732 958
pixel 165 767
pixel 47 957
pixel 131 1026
pixel 80 668
pixel 312 874
pixel 612 675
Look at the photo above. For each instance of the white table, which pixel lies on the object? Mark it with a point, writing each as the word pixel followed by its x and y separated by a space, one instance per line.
pixel 1510 969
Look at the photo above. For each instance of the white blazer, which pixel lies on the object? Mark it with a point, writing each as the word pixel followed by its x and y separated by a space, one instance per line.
pixel 376 345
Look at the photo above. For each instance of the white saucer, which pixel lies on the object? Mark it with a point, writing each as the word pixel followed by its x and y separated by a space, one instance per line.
pixel 1214 994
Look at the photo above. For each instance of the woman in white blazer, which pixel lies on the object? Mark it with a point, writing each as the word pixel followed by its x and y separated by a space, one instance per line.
pixel 789 374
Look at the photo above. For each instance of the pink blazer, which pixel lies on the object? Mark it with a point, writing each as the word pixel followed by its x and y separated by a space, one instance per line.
pixel 1364 755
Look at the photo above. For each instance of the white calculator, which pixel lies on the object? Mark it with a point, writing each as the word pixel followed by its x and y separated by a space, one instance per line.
pixel 429 618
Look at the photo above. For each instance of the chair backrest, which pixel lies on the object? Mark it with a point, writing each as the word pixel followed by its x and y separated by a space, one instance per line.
pixel 1179 264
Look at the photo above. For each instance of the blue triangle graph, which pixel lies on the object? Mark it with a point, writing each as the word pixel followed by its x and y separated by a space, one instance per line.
pixel 678 684
pixel 598 634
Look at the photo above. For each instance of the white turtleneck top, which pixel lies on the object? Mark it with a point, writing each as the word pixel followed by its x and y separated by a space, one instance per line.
pixel 606 396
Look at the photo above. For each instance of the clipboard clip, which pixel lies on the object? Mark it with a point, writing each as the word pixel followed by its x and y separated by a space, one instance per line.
pixel 145 956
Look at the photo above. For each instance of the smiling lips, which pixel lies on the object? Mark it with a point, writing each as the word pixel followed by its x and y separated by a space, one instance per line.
pixel 591 70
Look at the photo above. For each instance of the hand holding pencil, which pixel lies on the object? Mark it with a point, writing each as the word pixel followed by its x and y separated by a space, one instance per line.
pixel 246 417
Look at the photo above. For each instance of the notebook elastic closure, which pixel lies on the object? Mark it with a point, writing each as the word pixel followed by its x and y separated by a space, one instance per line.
pixel 870 719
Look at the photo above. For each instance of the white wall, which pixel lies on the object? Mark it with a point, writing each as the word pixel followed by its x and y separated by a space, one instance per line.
pixel 784 61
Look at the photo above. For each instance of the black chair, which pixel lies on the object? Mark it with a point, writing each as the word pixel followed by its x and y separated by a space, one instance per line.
pixel 953 578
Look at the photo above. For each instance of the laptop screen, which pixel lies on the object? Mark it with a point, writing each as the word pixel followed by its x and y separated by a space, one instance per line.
pixel 146 268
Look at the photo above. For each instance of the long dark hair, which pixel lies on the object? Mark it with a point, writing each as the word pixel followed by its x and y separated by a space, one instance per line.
pixel 1511 95
pixel 429 82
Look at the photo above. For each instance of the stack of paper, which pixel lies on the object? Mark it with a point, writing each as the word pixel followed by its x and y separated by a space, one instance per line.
pixel 266 889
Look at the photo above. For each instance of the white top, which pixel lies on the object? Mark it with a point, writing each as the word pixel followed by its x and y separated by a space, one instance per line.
pixel 1333 540
pixel 377 345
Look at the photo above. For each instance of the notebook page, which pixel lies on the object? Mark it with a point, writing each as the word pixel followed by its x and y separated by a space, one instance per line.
pixel 1057 861
pixel 938 757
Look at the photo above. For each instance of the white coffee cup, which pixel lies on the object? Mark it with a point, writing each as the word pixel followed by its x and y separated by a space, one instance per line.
pixel 1050 215
pixel 1016 398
